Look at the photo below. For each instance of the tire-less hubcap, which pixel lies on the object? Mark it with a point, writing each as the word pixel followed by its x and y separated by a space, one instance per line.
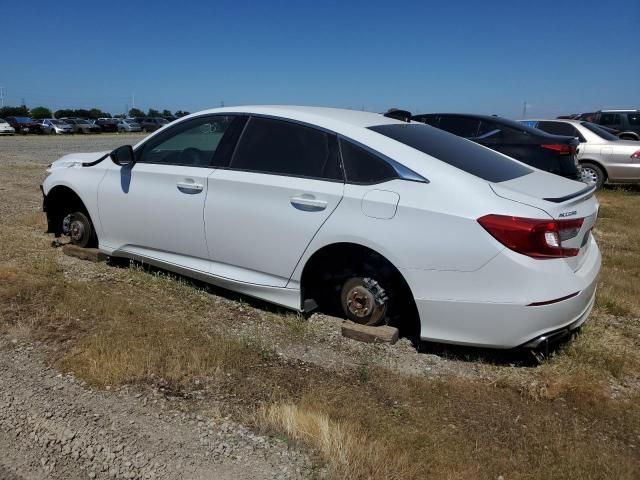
pixel 76 230
pixel 589 176
pixel 360 301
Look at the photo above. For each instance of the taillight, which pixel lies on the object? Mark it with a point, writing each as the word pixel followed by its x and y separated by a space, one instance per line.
pixel 559 148
pixel 532 237
pixel 636 155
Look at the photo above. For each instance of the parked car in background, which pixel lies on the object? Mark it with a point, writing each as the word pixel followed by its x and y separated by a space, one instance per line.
pixel 24 125
pixel 81 125
pixel 385 221
pixel 107 124
pixel 128 125
pixel 552 153
pixel 625 122
pixel 55 126
pixel 5 128
pixel 603 157
pixel 151 124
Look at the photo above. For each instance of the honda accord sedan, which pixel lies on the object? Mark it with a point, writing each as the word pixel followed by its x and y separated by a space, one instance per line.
pixel 375 219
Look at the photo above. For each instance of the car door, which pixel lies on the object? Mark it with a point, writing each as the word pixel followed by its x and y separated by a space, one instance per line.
pixel 155 208
pixel 261 212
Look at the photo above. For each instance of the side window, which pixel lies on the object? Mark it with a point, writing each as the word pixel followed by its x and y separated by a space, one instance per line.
pixel 287 148
pixel 364 167
pixel 609 119
pixel 461 126
pixel 191 143
pixel 634 119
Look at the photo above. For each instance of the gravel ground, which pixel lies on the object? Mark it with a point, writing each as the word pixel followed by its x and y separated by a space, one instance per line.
pixel 54 427
pixel 47 148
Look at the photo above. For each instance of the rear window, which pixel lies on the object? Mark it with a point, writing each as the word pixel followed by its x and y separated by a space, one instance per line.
pixel 634 119
pixel 456 151
pixel 601 132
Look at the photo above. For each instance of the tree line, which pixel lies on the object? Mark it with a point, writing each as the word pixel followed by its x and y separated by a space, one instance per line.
pixel 44 112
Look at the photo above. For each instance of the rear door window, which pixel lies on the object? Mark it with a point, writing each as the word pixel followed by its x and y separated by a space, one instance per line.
pixel 464 154
pixel 634 119
pixel 287 148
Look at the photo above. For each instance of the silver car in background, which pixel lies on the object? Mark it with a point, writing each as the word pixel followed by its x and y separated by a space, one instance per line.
pixel 55 126
pixel 604 158
pixel 129 125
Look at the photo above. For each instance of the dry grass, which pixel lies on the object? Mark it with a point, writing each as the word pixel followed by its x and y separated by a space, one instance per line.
pixel 560 420
pixel 349 451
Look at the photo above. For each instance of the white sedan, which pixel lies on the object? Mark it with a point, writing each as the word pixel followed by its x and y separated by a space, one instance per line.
pixel 357 214
pixel 5 128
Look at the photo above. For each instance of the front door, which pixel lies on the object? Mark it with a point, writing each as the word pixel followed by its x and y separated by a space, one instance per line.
pixel 155 209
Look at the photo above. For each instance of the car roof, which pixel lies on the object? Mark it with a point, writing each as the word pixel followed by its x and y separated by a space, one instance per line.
pixel 322 116
pixel 563 120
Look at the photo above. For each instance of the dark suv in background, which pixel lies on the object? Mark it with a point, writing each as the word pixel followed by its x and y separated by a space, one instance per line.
pixel 552 153
pixel 24 125
pixel 151 124
pixel 625 122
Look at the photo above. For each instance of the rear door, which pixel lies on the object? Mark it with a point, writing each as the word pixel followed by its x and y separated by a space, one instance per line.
pixel 283 182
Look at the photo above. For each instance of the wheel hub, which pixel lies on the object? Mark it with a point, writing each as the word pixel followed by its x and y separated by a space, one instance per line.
pixel 589 176
pixel 360 301
pixel 76 230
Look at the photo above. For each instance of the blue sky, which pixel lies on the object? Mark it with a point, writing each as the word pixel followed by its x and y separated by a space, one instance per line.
pixel 465 56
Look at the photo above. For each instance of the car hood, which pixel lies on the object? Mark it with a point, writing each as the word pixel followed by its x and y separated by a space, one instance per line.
pixel 76 160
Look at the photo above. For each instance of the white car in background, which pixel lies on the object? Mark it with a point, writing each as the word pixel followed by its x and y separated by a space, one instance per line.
pixel 5 128
pixel 365 216
pixel 603 156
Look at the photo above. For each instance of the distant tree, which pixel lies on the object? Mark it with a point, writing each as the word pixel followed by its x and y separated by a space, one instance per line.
pixel 180 113
pixel 95 113
pixel 21 111
pixel 40 112
pixel 167 113
pixel 135 112
pixel 153 113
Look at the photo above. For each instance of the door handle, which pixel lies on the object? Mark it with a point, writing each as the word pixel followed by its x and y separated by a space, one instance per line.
pixel 308 203
pixel 189 187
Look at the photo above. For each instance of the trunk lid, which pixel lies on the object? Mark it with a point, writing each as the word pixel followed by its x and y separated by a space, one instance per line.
pixel 561 199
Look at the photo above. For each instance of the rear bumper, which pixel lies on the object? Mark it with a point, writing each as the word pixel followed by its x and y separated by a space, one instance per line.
pixel 509 320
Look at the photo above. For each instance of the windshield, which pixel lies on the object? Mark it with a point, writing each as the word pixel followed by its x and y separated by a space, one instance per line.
pixel 601 132
pixel 56 122
pixel 2 120
pixel 456 151
pixel 84 122
pixel 23 120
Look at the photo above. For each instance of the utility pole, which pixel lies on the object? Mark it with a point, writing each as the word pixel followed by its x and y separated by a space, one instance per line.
pixel 133 100
pixel 2 97
pixel 524 110
pixel 221 103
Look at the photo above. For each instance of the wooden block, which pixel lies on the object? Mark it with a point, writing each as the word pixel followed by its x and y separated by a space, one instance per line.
pixel 367 334
pixel 91 254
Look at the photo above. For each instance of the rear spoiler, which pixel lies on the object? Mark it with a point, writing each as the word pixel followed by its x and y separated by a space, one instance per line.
pixel 588 190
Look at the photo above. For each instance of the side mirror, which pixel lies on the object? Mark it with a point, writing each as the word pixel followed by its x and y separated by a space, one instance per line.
pixel 123 156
